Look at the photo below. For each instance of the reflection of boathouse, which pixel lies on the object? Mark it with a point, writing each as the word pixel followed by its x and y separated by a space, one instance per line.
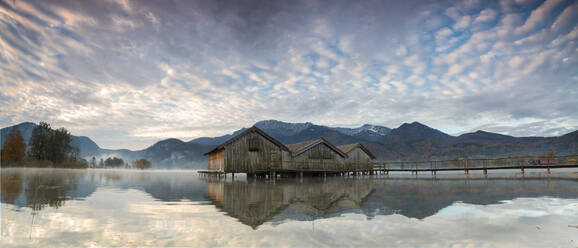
pixel 255 152
pixel 254 203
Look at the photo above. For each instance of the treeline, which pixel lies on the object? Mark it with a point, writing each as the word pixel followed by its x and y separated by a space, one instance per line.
pixel 53 148
pixel 47 148
pixel 114 162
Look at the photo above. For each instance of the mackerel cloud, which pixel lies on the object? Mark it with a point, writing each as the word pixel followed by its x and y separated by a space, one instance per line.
pixel 128 73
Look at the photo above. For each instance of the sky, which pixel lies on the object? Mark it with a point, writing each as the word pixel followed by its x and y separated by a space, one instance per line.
pixel 129 73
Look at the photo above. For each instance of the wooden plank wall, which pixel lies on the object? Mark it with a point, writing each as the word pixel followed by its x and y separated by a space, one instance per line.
pixel 239 159
pixel 217 161
pixel 357 158
pixel 304 160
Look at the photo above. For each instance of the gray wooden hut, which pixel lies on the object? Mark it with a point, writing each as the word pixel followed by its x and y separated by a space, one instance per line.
pixel 358 156
pixel 316 155
pixel 252 151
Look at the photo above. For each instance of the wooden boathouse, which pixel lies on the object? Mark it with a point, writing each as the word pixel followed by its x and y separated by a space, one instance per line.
pixel 358 157
pixel 256 153
pixel 315 156
pixel 252 151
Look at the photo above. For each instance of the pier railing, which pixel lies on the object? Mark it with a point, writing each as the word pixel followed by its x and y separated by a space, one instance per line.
pixel 466 164
pixel 462 164
pixel 514 162
pixel 324 166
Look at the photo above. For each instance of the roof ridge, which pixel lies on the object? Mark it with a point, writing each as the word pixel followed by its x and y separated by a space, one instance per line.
pixel 238 136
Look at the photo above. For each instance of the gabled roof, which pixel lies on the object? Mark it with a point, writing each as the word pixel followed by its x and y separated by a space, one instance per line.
pixel 247 131
pixel 347 148
pixel 302 147
pixel 294 148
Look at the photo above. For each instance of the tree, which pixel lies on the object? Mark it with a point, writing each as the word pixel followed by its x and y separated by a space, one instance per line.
pixel 113 162
pixel 14 147
pixel 141 164
pixel 40 142
pixel 52 145
pixel 61 147
pixel 93 162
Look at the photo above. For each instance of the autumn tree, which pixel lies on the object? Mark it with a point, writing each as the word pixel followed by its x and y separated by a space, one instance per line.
pixel 14 147
pixel 141 164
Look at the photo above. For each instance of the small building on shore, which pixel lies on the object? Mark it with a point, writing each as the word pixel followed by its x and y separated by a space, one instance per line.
pixel 358 156
pixel 256 153
pixel 317 154
pixel 252 151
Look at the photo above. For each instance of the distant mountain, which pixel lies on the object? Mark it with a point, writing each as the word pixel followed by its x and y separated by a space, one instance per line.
pixel 25 128
pixel 304 132
pixel 366 132
pixel 279 128
pixel 414 141
pixel 485 137
pixel 410 141
pixel 298 132
pixel 173 153
pixel 208 141
pixel 85 145
pixel 416 131
pixel 289 133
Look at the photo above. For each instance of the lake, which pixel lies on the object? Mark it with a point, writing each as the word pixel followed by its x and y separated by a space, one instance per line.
pixel 104 208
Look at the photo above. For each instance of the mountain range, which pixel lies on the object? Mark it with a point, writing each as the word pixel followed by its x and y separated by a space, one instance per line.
pixel 410 141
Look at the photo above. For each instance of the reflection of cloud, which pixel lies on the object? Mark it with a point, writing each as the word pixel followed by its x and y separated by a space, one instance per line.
pixel 205 68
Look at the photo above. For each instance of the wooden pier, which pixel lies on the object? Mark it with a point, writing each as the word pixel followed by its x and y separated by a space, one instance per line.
pixel 323 169
pixel 212 173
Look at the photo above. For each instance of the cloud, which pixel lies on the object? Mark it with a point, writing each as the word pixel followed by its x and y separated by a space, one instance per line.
pixel 463 22
pixel 150 71
pixel 566 19
pixel 486 15
pixel 540 16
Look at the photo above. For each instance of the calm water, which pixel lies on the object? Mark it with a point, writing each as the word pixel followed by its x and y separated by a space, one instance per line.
pixel 95 208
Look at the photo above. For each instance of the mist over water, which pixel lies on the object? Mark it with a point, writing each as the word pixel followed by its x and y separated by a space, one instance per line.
pixel 72 208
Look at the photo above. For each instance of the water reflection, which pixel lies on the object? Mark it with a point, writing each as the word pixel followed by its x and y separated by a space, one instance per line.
pixel 11 186
pixel 40 188
pixel 423 198
pixel 254 203
pixel 257 202
pixel 153 208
